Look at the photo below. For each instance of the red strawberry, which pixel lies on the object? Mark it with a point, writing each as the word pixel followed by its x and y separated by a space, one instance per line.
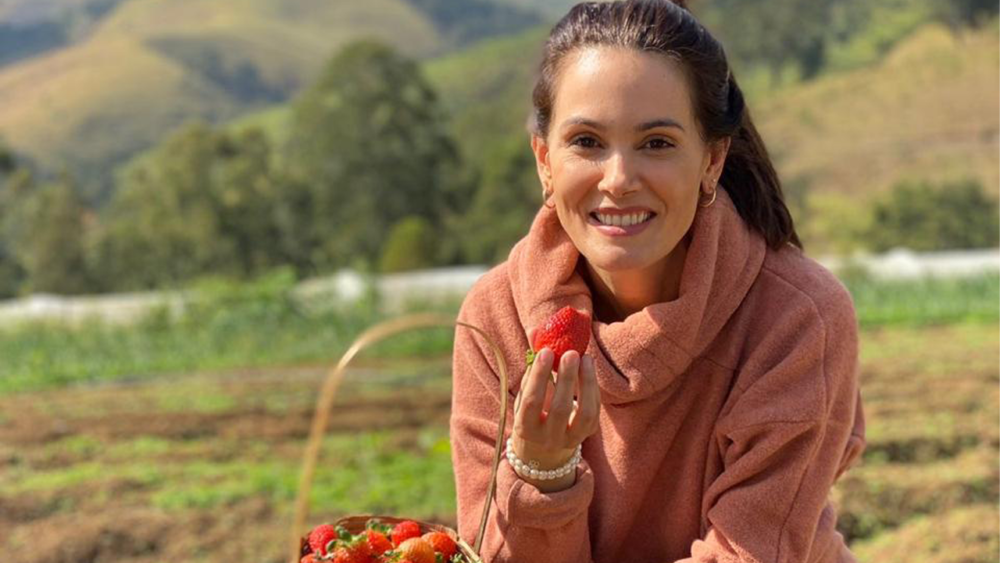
pixel 377 541
pixel 442 543
pixel 308 559
pixel 354 551
pixel 405 530
pixel 320 536
pixel 417 550
pixel 568 329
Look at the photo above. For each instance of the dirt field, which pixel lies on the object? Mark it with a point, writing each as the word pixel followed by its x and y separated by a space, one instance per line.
pixel 84 471
pixel 204 467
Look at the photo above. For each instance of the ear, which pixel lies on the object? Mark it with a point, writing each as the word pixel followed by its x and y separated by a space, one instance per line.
pixel 541 150
pixel 717 153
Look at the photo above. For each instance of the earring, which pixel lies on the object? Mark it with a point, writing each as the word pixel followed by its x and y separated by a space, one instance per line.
pixel 715 192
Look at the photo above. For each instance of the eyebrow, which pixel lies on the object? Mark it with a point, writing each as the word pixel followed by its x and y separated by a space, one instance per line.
pixel 662 122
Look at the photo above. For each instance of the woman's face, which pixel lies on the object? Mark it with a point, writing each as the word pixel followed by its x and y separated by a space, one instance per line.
pixel 624 159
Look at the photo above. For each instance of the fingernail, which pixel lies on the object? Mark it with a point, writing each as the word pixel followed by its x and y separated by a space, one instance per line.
pixel 545 355
pixel 571 357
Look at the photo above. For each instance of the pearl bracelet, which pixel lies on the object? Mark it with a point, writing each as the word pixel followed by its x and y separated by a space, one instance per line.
pixel 530 469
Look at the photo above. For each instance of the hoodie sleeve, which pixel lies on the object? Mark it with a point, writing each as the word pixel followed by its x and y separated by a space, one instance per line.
pixel 524 523
pixel 794 427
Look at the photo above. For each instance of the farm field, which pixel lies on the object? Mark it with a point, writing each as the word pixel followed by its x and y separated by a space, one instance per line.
pixel 204 466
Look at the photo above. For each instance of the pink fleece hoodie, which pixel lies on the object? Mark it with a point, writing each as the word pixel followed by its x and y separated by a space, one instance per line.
pixel 726 414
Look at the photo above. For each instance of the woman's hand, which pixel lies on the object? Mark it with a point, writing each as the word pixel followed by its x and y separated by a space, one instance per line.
pixel 548 422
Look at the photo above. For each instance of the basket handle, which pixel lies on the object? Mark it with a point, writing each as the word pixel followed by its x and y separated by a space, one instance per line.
pixel 331 384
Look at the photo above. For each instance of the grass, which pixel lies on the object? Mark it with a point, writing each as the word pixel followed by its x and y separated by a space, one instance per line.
pixel 965 535
pixel 360 472
pixel 926 301
pixel 248 325
pixel 233 325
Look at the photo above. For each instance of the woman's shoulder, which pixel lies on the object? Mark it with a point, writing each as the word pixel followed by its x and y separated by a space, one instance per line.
pixel 792 282
pixel 796 310
pixel 489 306
pixel 796 351
pixel 489 296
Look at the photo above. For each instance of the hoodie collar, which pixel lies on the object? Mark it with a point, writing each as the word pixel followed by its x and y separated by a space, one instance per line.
pixel 648 350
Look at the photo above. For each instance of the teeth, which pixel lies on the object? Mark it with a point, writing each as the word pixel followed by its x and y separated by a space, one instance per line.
pixel 622 220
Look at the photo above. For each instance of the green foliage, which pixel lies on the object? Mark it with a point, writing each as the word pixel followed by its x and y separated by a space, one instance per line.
pixel 509 195
pixel 963 13
pixel 410 246
pixel 861 32
pixel 469 21
pixel 814 37
pixel 42 236
pixel 227 324
pixel 16 184
pixel 51 244
pixel 7 160
pixel 919 216
pixel 772 33
pixel 925 301
pixel 203 202
pixel 368 137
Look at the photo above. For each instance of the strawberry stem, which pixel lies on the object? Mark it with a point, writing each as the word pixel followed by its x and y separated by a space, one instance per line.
pixel 530 356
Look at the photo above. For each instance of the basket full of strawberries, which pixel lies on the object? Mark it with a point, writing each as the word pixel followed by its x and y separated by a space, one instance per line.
pixel 383 539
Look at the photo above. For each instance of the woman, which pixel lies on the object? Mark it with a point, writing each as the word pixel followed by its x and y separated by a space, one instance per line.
pixel 717 402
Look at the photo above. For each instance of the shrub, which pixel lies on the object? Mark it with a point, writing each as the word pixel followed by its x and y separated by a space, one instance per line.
pixel 921 217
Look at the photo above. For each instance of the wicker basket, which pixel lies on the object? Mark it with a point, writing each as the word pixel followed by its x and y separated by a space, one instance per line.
pixel 356 523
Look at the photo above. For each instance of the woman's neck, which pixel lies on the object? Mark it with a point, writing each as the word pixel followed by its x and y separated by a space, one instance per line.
pixel 618 294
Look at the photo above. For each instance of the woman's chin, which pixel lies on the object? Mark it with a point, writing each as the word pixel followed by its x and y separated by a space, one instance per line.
pixel 612 260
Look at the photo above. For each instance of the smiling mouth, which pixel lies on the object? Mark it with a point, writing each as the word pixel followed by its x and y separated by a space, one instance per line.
pixel 627 220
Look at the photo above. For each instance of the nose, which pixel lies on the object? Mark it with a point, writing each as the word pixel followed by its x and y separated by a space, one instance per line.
pixel 619 177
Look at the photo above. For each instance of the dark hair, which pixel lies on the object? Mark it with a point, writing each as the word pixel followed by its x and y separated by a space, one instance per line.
pixel 661 26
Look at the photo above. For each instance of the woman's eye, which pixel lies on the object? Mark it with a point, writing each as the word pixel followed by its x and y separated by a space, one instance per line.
pixel 585 142
pixel 659 144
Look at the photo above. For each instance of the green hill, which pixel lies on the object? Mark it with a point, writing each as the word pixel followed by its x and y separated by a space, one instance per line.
pixel 485 89
pixel 927 110
pixel 148 65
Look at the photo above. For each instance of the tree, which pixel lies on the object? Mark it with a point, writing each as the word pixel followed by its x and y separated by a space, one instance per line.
pixel 7 162
pixel 51 246
pixel 772 33
pixel 202 202
pixel 16 185
pixel 508 198
pixel 921 217
pixel 369 139
pixel 967 12
pixel 410 246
